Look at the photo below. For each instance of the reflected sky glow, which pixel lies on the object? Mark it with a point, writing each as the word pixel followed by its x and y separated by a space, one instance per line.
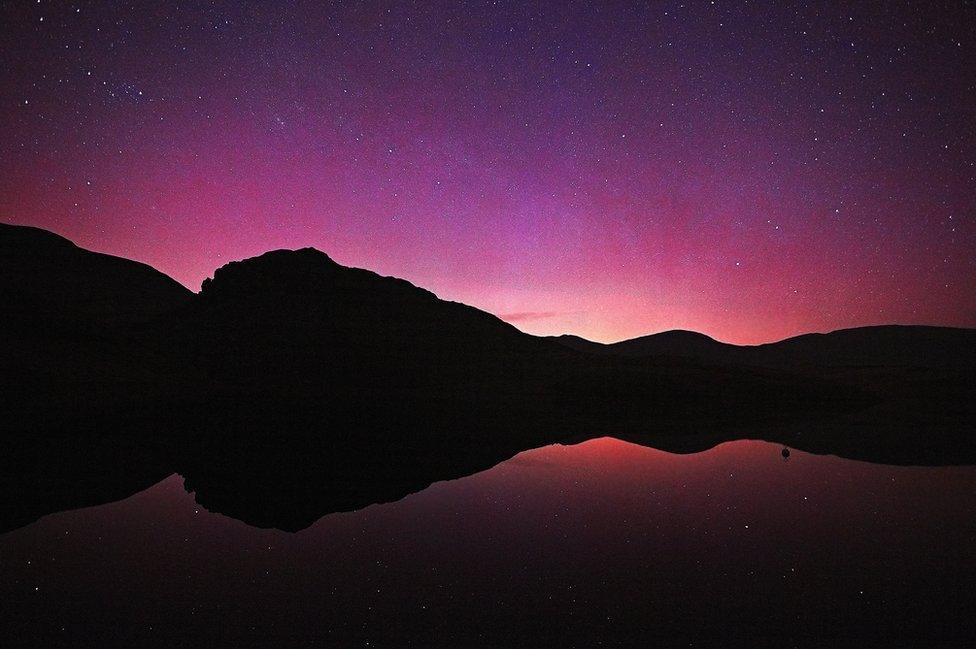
pixel 606 536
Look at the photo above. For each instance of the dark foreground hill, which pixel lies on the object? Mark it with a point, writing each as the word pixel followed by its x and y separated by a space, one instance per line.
pixel 76 332
pixel 292 386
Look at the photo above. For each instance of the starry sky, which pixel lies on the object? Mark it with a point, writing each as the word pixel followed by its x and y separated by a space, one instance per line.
pixel 750 170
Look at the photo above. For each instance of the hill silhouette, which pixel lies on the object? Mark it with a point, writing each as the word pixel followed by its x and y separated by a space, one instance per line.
pixel 48 281
pixel 674 343
pixel 879 345
pixel 77 332
pixel 292 386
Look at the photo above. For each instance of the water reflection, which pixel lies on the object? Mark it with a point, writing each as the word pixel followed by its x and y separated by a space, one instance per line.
pixel 603 540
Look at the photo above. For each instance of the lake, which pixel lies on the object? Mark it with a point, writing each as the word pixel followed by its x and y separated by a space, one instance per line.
pixel 599 543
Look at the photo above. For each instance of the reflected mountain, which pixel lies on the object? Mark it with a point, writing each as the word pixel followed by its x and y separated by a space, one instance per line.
pixel 289 484
pixel 264 481
pixel 597 543
pixel 292 386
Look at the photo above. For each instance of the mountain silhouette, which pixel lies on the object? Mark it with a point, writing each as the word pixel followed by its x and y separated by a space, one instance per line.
pixel 881 346
pixel 49 282
pixel 291 386
pixel 293 341
pixel 675 343
pixel 78 343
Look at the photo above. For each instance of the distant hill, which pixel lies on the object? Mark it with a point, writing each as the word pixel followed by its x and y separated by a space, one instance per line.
pixel 675 343
pixel 879 346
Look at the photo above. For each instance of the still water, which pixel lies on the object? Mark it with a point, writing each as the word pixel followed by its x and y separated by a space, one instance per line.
pixel 600 543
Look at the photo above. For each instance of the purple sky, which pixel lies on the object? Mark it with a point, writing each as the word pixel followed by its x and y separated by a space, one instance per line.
pixel 611 169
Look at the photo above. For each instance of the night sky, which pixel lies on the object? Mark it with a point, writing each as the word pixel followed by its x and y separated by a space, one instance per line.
pixel 610 169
